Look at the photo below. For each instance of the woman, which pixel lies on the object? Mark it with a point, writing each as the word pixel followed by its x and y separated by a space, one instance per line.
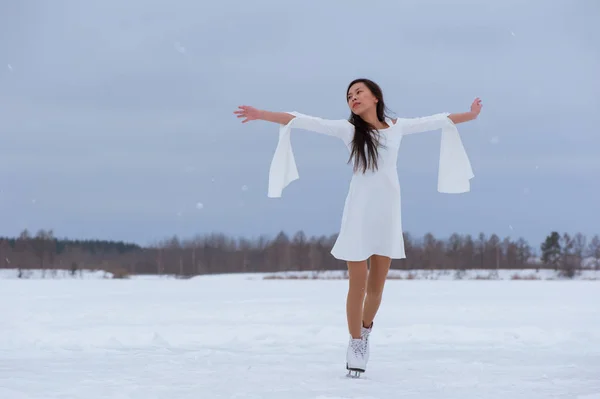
pixel 371 227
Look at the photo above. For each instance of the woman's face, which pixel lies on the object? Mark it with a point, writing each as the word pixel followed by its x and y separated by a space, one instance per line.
pixel 360 98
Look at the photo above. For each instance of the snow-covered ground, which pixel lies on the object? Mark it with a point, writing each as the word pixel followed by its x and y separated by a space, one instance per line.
pixel 234 337
pixel 475 274
pixel 36 274
pixel 503 274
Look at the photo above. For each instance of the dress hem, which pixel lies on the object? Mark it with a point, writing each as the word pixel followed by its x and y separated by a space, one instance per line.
pixel 363 258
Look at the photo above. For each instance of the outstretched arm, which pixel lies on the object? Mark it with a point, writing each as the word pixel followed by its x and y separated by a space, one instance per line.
pixel 251 114
pixel 467 116
pixel 434 122
pixel 340 128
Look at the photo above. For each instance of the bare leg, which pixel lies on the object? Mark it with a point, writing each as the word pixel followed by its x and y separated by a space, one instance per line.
pixel 357 274
pixel 380 265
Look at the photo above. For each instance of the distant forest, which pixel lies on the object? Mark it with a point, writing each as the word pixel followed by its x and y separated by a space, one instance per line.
pixel 218 253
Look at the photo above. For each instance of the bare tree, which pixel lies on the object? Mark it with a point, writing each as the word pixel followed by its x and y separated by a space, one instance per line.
pixel 579 249
pixel 593 251
pixel 493 252
pixel 454 249
pixel 6 253
pixel 300 252
pixel 569 260
pixel 481 249
pixel 523 250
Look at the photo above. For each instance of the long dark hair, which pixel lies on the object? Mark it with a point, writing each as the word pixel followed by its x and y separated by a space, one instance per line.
pixel 365 144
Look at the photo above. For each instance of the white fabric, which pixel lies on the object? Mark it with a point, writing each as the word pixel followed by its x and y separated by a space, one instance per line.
pixel 283 169
pixel 454 170
pixel 371 221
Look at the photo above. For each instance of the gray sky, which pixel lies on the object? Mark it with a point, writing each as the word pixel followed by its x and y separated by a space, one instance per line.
pixel 116 118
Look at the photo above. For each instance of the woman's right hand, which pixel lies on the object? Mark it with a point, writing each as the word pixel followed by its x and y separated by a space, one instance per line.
pixel 250 113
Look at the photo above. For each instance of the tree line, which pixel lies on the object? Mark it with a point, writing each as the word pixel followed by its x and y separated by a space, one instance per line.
pixel 218 253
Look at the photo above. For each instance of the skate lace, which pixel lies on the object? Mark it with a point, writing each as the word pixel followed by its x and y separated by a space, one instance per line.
pixel 358 347
pixel 364 334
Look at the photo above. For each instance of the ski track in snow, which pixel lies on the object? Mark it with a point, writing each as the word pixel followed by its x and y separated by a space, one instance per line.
pixel 226 337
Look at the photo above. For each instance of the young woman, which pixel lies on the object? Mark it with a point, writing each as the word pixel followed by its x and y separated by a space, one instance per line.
pixel 371 228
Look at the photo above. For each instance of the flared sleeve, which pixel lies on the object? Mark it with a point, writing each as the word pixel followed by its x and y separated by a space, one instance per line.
pixel 454 169
pixel 283 169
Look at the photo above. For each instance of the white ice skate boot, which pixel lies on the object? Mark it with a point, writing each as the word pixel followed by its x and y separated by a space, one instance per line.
pixel 355 357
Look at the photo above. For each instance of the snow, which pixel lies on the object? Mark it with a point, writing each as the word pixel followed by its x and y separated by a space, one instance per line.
pixel 36 274
pixel 475 274
pixel 236 337
pixel 417 274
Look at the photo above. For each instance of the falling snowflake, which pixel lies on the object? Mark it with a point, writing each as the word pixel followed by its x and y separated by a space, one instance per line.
pixel 179 48
pixel 495 140
pixel 244 188
pixel 10 68
pixel 199 205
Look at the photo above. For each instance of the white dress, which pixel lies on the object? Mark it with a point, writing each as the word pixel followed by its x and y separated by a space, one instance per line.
pixel 372 220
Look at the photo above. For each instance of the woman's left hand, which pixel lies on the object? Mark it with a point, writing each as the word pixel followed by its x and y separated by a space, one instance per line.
pixel 476 107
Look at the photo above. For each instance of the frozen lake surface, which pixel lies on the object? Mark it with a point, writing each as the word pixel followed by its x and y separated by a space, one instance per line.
pixel 230 337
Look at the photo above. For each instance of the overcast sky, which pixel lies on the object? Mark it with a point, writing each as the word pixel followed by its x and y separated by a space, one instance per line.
pixel 116 118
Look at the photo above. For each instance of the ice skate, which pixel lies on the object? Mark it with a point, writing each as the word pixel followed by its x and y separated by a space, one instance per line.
pixel 355 357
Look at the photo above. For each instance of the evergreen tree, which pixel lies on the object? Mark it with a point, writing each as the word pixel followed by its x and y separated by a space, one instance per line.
pixel 551 250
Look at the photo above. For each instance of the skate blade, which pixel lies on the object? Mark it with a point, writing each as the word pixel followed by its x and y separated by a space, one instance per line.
pixel 354 373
